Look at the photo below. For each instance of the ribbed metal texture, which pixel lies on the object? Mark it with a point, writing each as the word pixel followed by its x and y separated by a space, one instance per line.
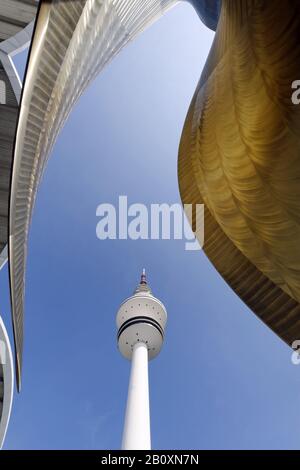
pixel 6 381
pixel 8 122
pixel 73 41
pixel 240 146
pixel 240 156
pixel 15 16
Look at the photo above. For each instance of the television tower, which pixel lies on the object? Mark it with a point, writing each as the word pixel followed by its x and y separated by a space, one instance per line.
pixel 141 321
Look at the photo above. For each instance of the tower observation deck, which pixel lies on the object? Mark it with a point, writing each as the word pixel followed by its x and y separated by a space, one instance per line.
pixel 141 322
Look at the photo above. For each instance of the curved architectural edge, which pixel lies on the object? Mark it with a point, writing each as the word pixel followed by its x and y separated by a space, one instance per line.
pixel 231 160
pixel 72 43
pixel 208 11
pixel 8 117
pixel 6 381
pixel 15 33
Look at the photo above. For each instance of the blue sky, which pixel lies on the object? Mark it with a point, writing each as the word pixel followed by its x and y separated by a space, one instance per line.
pixel 223 380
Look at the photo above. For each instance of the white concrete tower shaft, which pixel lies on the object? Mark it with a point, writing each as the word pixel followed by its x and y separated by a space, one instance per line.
pixel 136 434
pixel 141 321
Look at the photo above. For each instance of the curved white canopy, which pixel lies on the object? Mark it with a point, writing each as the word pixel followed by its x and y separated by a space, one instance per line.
pixel 6 381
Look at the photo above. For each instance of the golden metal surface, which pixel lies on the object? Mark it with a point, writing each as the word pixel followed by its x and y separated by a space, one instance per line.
pixel 240 156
